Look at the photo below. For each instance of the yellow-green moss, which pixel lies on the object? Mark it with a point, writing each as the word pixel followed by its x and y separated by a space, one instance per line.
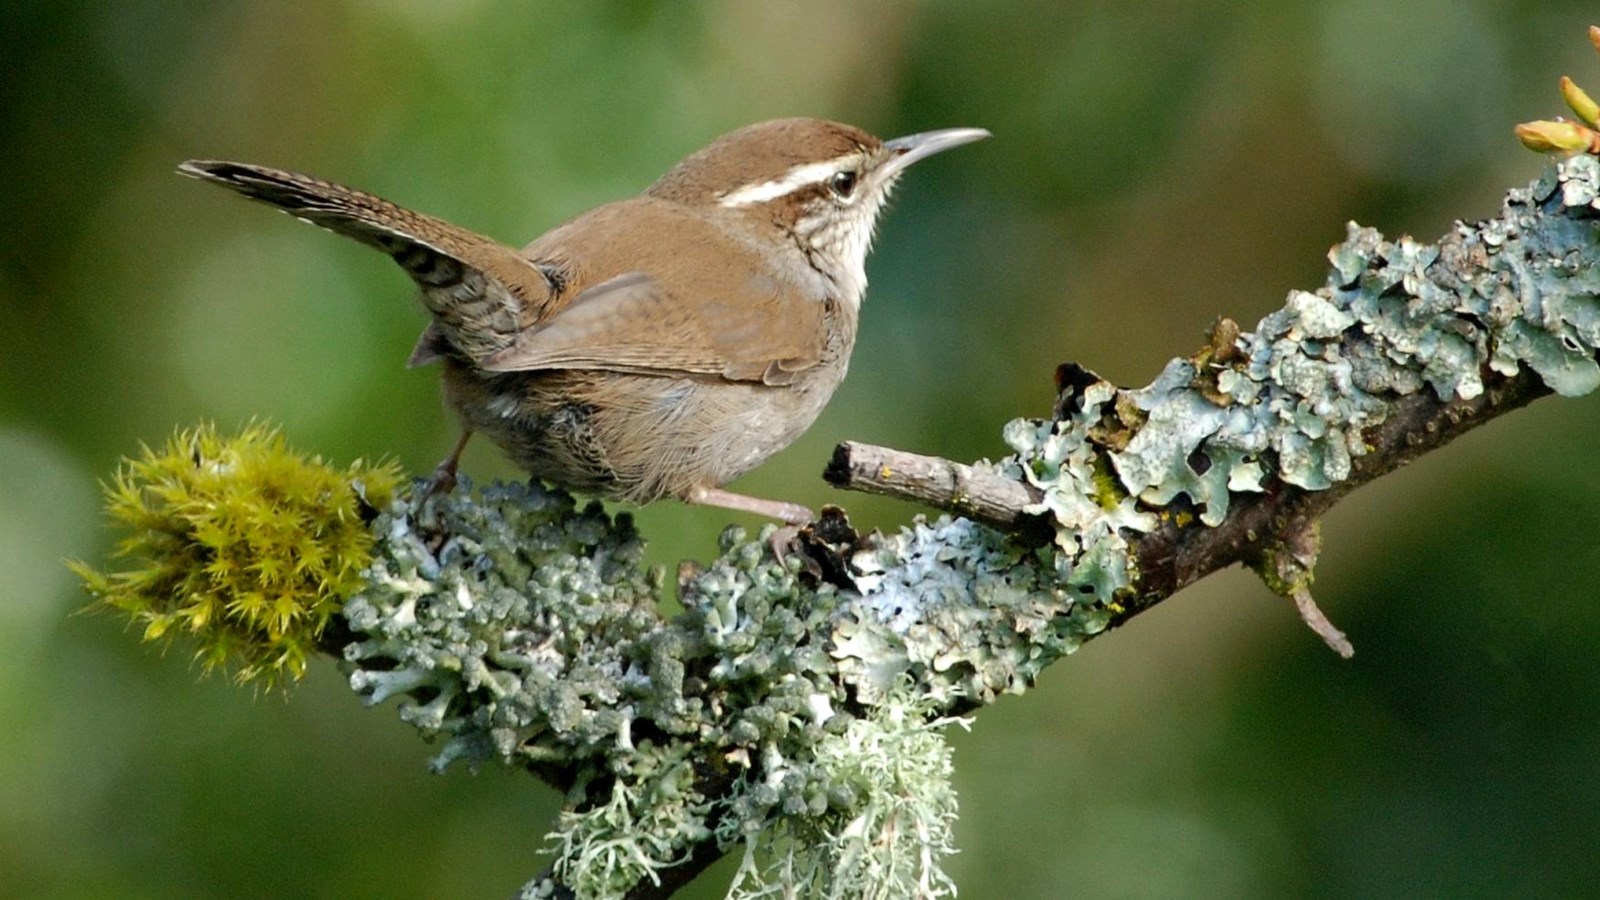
pixel 240 543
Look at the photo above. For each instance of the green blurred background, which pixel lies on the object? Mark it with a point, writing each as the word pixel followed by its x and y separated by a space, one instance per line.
pixel 1154 164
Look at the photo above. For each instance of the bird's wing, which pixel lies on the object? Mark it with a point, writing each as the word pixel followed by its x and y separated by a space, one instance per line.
pixel 736 327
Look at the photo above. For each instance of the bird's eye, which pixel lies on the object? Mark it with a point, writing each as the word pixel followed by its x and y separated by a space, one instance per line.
pixel 843 184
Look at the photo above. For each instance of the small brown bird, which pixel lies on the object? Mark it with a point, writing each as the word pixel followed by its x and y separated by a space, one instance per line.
pixel 657 346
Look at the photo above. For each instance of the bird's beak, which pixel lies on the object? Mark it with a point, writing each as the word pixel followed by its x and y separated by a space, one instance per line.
pixel 907 150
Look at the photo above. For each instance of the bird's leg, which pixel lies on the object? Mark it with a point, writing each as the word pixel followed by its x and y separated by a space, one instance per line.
pixel 790 513
pixel 785 540
pixel 443 480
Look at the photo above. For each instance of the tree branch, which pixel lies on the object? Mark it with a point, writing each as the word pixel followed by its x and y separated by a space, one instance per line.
pixel 1181 551
pixel 981 494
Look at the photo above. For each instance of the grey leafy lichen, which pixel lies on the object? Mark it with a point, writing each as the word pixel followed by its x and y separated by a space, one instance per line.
pixel 517 626
pixel 525 630
pixel 765 715
pixel 1395 317
pixel 970 614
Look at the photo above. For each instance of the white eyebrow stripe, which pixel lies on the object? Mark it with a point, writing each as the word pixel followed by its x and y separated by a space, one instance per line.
pixel 803 175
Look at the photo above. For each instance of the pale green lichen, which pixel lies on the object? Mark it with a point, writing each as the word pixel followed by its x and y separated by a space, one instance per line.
pixel 953 606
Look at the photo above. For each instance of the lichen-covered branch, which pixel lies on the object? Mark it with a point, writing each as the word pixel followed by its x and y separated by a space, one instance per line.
pixel 526 633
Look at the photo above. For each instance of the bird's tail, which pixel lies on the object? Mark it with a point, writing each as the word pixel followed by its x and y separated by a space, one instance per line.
pixel 481 292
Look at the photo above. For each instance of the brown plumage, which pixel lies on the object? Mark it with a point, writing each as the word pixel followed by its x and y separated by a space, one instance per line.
pixel 656 346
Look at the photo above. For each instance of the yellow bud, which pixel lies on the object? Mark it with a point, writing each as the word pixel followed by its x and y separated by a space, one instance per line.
pixel 1580 102
pixel 1554 137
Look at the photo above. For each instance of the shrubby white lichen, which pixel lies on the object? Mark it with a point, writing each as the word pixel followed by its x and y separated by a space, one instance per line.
pixel 881 828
